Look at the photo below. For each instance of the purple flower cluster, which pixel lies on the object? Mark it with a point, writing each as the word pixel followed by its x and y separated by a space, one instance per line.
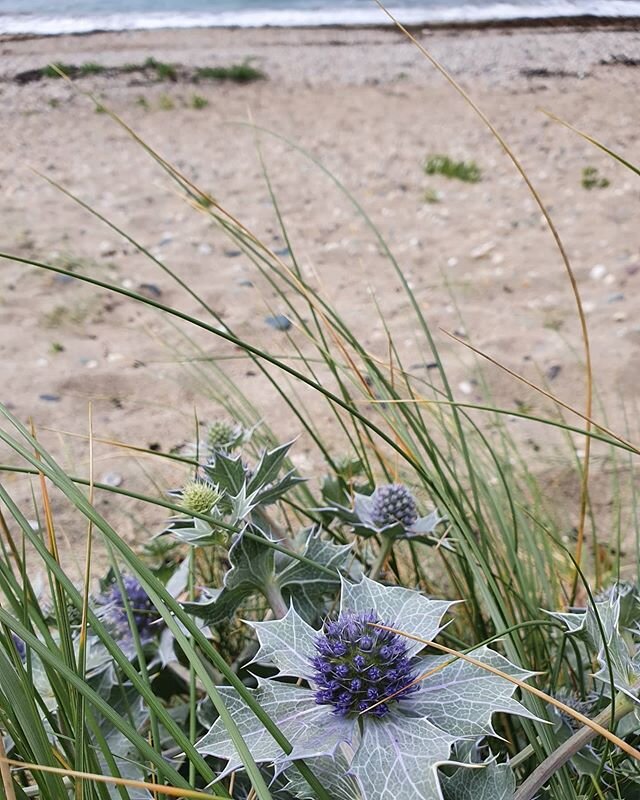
pixel 392 504
pixel 20 646
pixel 358 665
pixel 144 613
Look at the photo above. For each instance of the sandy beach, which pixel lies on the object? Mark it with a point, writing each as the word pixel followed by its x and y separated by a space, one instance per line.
pixel 366 104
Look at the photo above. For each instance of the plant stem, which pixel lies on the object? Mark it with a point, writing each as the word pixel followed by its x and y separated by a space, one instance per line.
pixel 275 599
pixel 385 549
pixel 624 705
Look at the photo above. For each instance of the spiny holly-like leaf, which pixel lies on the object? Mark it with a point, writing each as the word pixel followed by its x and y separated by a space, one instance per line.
pixel 272 492
pixel 490 782
pixel 614 652
pixel 267 469
pixel 252 568
pixel 332 773
pixel 287 644
pixel 461 697
pixel 399 758
pixel 397 607
pixel 226 471
pixel 585 624
pixel 313 730
pixel 306 586
pixel 321 552
pixel 215 605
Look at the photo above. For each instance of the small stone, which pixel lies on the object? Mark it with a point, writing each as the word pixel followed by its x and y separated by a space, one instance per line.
pixel 232 253
pixel 588 307
pixel 598 272
pixel 166 239
pixel 127 283
pixel 632 269
pixel 246 283
pixel 42 362
pixel 553 371
pixel 619 316
pixel 112 478
pixel 50 398
pixel 279 322
pixel 452 262
pixel 91 363
pixel 150 290
pixel 112 357
pixel 282 252
pixel 465 387
pixel 106 249
pixel 204 249
pixel 616 297
pixel 482 250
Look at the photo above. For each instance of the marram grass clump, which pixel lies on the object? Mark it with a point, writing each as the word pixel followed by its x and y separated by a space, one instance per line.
pixel 254 610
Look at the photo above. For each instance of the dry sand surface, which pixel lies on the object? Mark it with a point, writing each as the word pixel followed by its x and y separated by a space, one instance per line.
pixel 371 109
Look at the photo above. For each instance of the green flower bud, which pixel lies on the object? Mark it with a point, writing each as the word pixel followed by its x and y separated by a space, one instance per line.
pixel 200 497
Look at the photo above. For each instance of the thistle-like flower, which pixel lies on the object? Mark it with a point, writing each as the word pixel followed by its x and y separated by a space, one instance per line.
pixel 391 509
pixel 112 609
pixel 393 504
pixel 200 496
pixel 358 666
pixel 223 435
pixel 357 694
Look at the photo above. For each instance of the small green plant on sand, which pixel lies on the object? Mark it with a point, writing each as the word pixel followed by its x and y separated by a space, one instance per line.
pixel 467 171
pixel 164 71
pixel 143 102
pixel 166 103
pixel 431 195
pixel 72 70
pixel 237 73
pixel 198 102
pixel 591 179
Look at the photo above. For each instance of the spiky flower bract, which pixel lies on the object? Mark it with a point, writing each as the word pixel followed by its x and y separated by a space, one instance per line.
pixel 401 741
pixel 358 665
pixel 199 496
pixel 391 504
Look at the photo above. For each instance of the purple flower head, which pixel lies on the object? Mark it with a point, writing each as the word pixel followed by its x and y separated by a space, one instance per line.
pixel 113 610
pixel 357 664
pixel 391 504
pixel 20 646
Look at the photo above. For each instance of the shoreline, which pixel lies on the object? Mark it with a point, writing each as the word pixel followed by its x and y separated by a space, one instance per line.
pixel 366 105
pixel 577 22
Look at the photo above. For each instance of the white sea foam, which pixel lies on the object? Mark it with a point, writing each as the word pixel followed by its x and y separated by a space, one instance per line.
pixel 52 24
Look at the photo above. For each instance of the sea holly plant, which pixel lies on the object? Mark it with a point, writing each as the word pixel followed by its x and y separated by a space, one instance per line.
pixel 366 697
pixel 230 493
pixel 610 629
pixel 390 510
pixel 280 578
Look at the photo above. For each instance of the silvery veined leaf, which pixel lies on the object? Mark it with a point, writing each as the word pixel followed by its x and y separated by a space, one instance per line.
pixel 305 586
pixel 404 609
pixel 461 698
pixel 399 757
pixel 287 644
pixel 333 775
pixel 313 730
pixel 489 782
